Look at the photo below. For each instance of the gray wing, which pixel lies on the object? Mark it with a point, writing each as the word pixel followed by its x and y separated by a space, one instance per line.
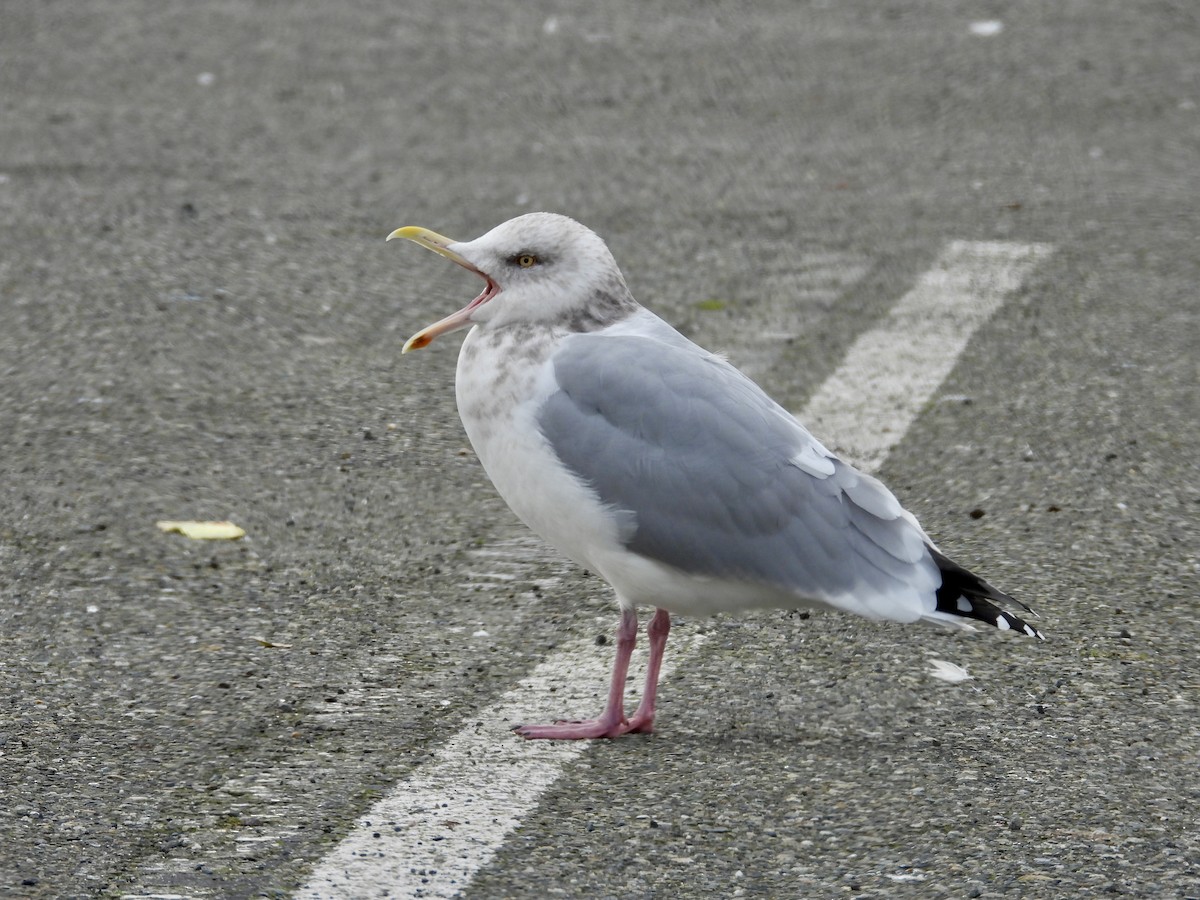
pixel 722 482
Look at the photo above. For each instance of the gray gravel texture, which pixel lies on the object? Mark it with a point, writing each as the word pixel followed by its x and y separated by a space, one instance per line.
pixel 199 319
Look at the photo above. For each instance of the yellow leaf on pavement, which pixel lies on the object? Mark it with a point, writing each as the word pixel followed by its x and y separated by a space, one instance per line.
pixel 205 531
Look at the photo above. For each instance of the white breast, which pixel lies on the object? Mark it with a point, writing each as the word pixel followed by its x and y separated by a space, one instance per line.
pixel 499 385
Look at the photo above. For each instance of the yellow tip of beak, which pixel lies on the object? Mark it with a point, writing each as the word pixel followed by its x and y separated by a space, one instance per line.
pixel 430 240
pixel 439 244
pixel 416 342
pixel 409 233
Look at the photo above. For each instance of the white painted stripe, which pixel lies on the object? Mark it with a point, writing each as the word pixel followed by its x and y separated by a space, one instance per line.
pixel 892 371
pixel 789 300
pixel 438 828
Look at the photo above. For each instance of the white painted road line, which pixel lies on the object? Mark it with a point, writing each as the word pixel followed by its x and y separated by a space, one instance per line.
pixel 892 371
pixel 439 827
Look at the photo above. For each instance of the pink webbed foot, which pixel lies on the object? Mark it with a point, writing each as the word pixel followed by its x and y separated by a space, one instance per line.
pixel 574 731
pixel 642 721
pixel 612 723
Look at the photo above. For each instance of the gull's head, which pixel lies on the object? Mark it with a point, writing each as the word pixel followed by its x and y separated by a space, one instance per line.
pixel 539 268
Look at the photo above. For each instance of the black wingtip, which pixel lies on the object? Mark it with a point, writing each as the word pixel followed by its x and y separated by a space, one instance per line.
pixel 965 594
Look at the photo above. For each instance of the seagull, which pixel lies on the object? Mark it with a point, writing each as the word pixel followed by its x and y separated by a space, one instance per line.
pixel 662 468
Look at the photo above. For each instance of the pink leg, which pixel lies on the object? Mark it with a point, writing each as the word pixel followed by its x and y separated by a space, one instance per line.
pixel 612 722
pixel 642 721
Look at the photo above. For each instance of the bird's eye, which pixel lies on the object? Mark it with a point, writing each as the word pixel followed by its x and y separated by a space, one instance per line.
pixel 527 260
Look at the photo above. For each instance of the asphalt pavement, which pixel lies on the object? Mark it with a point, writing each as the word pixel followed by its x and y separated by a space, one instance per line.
pixel 199 319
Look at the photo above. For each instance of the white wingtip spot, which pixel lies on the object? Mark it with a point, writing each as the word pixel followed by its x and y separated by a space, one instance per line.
pixel 1002 623
pixel 964 605
pixel 948 671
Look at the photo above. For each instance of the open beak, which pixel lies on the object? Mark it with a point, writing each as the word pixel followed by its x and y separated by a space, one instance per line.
pixel 440 244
